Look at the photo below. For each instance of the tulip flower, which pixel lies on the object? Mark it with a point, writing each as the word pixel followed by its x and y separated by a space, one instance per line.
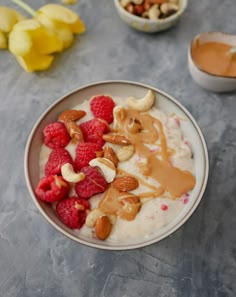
pixel 8 18
pixel 51 30
pixel 61 20
pixel 33 45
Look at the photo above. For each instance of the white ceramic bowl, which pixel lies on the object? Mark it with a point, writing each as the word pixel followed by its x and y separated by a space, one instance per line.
pixel 207 80
pixel 150 26
pixel 118 89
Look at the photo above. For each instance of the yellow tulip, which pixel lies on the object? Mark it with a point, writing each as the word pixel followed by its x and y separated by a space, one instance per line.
pixel 33 45
pixel 3 40
pixel 8 18
pixel 63 21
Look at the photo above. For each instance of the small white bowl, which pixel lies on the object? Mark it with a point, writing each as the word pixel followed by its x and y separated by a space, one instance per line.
pixel 211 82
pixel 120 89
pixel 150 26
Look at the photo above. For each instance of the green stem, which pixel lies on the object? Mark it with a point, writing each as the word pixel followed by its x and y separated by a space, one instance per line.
pixel 25 6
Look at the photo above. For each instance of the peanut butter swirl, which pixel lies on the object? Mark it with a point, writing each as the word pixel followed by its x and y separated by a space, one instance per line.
pixel 172 179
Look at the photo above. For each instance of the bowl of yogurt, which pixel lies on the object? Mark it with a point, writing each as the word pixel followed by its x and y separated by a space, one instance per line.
pixel 155 184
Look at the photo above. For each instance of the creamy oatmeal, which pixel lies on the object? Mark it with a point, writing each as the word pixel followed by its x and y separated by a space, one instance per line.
pixel 161 162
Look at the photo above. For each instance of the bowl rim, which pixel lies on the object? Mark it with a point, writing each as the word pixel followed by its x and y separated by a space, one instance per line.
pixel 158 21
pixel 128 246
pixel 197 66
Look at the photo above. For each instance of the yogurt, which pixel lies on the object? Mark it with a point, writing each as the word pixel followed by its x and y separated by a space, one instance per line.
pixel 164 144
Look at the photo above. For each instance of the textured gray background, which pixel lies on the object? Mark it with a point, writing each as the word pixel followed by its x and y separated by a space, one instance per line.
pixel 199 260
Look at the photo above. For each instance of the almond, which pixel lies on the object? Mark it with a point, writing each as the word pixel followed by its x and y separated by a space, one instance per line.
pixel 130 206
pixel 103 227
pixel 125 183
pixel 116 139
pixel 110 154
pixel 74 130
pixel 125 153
pixel 99 154
pixel 71 115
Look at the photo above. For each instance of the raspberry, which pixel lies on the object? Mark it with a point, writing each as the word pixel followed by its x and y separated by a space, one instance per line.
pixel 52 188
pixel 93 130
pixel 93 183
pixel 102 107
pixel 56 135
pixel 72 211
pixel 85 152
pixel 56 159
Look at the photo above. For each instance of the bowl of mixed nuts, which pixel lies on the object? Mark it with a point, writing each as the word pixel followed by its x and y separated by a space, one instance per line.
pixel 150 15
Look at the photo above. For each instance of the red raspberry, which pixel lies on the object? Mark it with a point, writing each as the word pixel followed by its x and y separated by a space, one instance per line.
pixel 93 130
pixel 56 159
pixel 72 211
pixel 56 135
pixel 93 183
pixel 102 107
pixel 85 152
pixel 52 188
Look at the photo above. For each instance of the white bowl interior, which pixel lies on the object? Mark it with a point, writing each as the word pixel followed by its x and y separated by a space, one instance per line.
pixel 121 89
pixel 216 37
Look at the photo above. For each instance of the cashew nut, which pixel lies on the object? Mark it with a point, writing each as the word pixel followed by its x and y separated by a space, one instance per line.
pixel 119 115
pixel 69 175
pixel 124 3
pixel 143 104
pixel 167 7
pixel 106 166
pixel 95 214
pixel 125 153
pixel 154 12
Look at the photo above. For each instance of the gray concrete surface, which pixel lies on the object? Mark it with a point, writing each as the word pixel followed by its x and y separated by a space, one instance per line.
pixel 199 260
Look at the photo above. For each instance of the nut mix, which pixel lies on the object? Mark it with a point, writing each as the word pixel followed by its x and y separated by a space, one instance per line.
pixel 151 9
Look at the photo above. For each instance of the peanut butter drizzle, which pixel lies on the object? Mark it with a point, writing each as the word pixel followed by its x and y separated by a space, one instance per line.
pixel 172 179
pixel 152 194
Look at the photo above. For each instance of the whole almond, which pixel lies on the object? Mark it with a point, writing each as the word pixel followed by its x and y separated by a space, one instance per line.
pixel 71 115
pixel 74 130
pixel 139 9
pixel 125 183
pixel 103 227
pixel 110 154
pixel 116 139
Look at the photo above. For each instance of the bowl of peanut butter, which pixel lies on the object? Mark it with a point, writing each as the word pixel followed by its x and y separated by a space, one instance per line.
pixel 212 61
